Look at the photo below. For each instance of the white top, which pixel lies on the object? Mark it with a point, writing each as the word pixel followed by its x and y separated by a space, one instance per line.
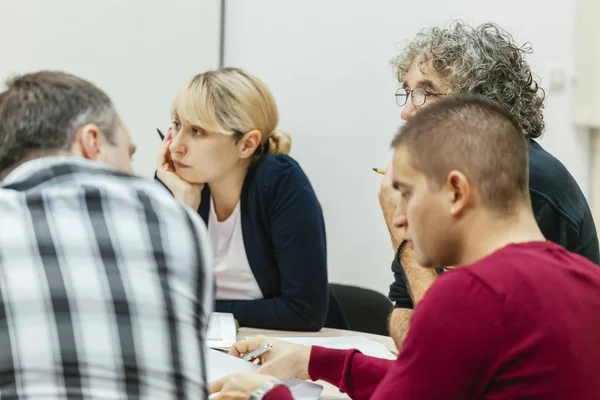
pixel 234 277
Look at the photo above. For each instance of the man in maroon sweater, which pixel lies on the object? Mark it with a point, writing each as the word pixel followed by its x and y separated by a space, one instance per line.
pixel 518 318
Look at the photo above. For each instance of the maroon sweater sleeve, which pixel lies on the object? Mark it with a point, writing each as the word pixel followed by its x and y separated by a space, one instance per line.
pixel 280 392
pixel 349 370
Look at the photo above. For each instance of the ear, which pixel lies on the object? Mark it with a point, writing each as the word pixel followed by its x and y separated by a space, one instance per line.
pixel 248 143
pixel 88 142
pixel 460 192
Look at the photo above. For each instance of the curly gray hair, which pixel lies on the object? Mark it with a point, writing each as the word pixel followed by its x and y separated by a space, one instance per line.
pixel 483 60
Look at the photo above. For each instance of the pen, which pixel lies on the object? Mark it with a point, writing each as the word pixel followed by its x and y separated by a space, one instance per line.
pixel 256 353
pixel 379 170
pixel 162 137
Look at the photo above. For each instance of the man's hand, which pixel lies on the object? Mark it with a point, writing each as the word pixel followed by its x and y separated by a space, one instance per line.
pixel 238 386
pixel 189 194
pixel 419 281
pixel 388 207
pixel 284 360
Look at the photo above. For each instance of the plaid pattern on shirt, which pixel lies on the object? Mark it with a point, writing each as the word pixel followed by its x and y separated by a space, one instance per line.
pixel 106 286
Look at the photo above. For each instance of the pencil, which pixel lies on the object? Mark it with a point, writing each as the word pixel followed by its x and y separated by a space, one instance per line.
pixel 379 170
pixel 162 137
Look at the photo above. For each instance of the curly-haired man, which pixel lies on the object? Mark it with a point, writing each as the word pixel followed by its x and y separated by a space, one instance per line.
pixel 482 60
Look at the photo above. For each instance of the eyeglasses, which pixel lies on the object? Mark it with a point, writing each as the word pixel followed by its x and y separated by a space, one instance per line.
pixel 418 96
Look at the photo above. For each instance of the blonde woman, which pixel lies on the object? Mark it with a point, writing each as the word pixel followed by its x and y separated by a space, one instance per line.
pixel 225 157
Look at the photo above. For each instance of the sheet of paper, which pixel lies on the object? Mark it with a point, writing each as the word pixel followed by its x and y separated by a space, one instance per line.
pixel 221 333
pixel 366 346
pixel 220 364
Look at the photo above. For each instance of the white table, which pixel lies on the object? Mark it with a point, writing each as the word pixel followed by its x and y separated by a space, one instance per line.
pixel 330 392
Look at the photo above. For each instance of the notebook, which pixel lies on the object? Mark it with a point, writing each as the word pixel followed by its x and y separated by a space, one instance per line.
pixel 221 332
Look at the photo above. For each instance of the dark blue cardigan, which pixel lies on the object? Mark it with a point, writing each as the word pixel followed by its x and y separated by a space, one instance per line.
pixel 284 238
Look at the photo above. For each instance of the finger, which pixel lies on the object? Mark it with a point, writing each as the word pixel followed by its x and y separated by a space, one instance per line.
pixel 164 155
pixel 246 346
pixel 216 386
pixel 231 395
pixel 387 177
pixel 243 347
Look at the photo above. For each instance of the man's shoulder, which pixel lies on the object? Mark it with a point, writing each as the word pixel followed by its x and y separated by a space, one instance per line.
pixel 119 188
pixel 559 205
pixel 70 180
pixel 552 183
pixel 117 185
pixel 497 271
pixel 513 271
pixel 525 265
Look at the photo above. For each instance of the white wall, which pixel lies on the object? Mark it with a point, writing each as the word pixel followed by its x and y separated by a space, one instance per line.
pixel 327 64
pixel 138 51
pixel 587 93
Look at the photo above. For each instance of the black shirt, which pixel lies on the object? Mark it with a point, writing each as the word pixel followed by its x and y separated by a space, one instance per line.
pixel 560 209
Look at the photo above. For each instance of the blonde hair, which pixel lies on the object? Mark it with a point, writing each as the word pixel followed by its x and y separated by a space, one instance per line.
pixel 232 102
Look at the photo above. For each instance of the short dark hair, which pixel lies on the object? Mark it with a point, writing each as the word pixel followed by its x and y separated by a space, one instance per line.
pixel 475 136
pixel 41 113
pixel 481 60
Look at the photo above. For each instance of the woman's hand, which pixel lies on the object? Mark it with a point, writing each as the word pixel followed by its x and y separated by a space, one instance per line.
pixel 284 360
pixel 189 194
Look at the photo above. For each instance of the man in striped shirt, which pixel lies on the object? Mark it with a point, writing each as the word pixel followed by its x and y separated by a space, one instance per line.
pixel 105 278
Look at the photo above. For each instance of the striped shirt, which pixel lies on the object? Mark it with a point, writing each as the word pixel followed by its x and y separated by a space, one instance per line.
pixel 105 286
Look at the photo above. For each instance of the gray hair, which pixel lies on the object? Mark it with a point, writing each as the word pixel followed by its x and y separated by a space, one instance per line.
pixel 482 61
pixel 41 113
